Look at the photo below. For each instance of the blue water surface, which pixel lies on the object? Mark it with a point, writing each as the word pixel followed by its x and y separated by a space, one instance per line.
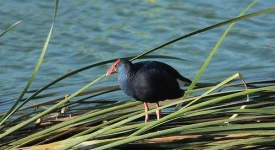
pixel 87 32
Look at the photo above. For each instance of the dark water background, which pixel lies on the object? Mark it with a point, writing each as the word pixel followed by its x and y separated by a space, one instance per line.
pixel 87 32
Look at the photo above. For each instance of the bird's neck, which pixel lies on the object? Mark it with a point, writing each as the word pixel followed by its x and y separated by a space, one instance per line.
pixel 125 80
pixel 126 76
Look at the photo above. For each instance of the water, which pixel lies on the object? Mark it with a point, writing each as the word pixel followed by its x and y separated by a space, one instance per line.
pixel 91 31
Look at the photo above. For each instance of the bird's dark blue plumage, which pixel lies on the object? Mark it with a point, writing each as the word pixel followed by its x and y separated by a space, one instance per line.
pixel 149 81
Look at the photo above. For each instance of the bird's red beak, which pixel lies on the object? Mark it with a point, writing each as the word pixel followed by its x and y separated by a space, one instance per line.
pixel 113 69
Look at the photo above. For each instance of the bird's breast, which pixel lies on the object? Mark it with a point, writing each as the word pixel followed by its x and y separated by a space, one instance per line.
pixel 125 86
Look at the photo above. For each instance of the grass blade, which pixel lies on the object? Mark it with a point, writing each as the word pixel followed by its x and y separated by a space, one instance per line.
pixel 9 28
pixel 211 55
pixel 9 113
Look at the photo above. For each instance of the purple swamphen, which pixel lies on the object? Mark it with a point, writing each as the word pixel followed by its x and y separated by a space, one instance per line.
pixel 148 81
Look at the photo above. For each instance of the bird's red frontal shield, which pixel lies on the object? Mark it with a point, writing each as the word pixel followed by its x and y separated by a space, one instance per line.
pixel 113 68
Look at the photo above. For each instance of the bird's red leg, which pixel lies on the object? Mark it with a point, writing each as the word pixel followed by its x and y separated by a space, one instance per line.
pixel 158 112
pixel 146 110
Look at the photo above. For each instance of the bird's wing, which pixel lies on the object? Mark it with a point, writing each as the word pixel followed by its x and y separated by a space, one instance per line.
pixel 173 72
pixel 163 66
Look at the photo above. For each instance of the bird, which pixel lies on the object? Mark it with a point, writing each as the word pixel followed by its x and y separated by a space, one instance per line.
pixel 148 82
